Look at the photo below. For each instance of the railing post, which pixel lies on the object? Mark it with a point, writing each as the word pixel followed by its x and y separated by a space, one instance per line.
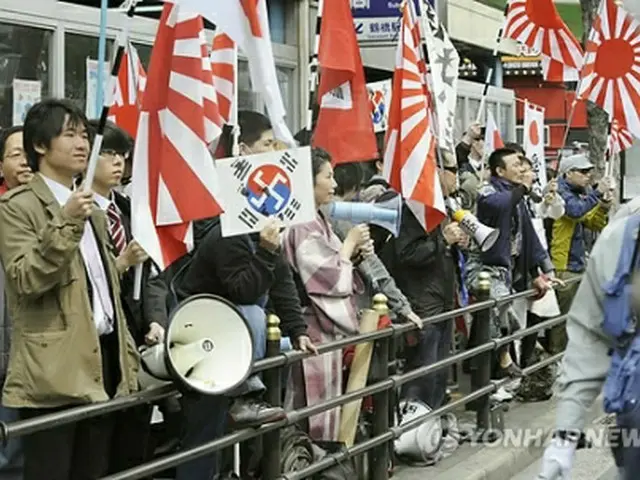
pixel 481 370
pixel 271 441
pixel 379 460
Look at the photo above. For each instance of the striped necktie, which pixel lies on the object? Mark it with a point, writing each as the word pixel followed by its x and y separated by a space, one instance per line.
pixel 116 230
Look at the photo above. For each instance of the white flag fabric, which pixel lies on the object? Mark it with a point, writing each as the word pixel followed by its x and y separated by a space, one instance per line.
pixel 492 137
pixel 444 62
pixel 534 144
pixel 246 22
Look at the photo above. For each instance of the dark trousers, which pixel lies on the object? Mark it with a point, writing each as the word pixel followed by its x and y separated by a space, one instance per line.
pixel 204 421
pixel 91 448
pixel 434 345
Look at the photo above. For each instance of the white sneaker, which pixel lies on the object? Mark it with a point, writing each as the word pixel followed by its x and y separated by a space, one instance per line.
pixel 501 395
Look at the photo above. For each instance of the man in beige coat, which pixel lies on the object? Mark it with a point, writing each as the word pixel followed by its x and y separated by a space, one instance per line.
pixel 70 344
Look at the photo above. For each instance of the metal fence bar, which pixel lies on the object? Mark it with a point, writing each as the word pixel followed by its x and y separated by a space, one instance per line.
pixel 172 460
pixel 26 427
pixel 271 463
pixel 75 414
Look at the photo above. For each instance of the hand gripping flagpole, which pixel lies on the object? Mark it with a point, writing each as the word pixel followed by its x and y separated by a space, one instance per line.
pixel 108 102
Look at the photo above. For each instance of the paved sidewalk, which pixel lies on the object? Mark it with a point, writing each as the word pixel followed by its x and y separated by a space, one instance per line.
pixel 501 462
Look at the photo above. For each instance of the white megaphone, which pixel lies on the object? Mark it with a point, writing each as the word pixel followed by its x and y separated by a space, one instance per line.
pixel 484 236
pixel 386 214
pixel 208 348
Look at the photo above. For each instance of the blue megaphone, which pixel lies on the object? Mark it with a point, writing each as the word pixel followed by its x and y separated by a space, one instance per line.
pixel 387 215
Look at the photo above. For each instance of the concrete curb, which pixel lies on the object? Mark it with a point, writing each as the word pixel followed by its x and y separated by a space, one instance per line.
pixel 514 460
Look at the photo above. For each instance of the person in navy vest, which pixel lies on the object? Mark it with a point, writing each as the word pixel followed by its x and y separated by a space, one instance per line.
pixel 517 260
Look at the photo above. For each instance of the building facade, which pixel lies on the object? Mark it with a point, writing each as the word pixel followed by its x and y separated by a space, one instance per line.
pixel 50 41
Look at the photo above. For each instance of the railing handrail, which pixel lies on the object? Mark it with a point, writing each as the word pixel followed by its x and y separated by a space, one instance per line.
pixel 26 427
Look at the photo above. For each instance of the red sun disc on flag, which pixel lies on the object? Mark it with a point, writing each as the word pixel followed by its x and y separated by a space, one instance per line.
pixel 611 72
pixel 534 133
pixel 615 58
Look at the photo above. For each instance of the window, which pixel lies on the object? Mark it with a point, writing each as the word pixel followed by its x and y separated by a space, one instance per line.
pixel 459 126
pixel 285 82
pixel 144 52
pixel 24 55
pixel 472 110
pixel 248 99
pixel 277 20
pixel 77 49
pixel 506 121
pixel 283 21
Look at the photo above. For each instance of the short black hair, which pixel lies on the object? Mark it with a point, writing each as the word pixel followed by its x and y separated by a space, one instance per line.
pixel 515 147
pixel 5 133
pixel 496 159
pixel 318 159
pixel 252 126
pixel 44 122
pixel 114 138
pixel 348 177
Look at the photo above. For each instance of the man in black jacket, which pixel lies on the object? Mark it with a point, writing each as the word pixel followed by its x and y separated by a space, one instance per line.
pixel 251 272
pixel 425 270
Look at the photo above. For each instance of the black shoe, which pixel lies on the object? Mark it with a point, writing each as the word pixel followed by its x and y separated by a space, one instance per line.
pixel 512 371
pixel 252 413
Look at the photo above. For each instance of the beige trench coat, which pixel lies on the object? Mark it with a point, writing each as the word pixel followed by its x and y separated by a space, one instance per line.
pixel 55 357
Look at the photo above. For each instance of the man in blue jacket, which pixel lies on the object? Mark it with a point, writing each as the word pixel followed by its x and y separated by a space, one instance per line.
pixel 517 255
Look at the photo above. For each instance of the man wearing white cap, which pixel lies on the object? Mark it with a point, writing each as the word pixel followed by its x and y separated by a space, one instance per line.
pixel 585 207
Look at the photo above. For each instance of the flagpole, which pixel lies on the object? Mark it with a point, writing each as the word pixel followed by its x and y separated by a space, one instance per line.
pixel 235 148
pixel 313 73
pixel 108 100
pixel 106 104
pixel 102 47
pixel 494 55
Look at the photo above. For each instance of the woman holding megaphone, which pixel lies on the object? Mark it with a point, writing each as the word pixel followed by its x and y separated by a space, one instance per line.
pixel 328 286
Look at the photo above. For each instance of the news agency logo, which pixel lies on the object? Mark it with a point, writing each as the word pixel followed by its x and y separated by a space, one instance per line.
pixel 526 438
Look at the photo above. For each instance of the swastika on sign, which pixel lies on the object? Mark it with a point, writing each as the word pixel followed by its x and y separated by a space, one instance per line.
pixel 268 190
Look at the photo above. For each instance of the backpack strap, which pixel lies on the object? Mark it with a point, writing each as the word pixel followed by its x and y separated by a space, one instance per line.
pixel 617 312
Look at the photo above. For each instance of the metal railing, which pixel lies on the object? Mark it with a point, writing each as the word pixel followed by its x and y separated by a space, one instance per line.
pixel 383 433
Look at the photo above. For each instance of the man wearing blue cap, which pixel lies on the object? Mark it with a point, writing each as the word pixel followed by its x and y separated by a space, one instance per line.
pixel 585 207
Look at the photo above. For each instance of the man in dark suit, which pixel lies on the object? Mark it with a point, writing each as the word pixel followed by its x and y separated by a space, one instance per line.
pixel 147 316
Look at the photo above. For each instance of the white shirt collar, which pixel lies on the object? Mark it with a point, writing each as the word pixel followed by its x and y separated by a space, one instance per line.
pixel 102 202
pixel 60 192
pixel 476 164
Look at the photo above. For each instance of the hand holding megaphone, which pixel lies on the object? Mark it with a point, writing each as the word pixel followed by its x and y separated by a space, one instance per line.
pixel 357 238
pixel 453 234
pixel 484 236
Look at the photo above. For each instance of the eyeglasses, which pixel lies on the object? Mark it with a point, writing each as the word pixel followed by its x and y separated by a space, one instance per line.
pixel 453 170
pixel 583 171
pixel 107 152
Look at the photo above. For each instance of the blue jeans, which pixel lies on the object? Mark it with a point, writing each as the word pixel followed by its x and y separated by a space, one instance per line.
pixel 434 345
pixel 11 455
pixel 205 417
